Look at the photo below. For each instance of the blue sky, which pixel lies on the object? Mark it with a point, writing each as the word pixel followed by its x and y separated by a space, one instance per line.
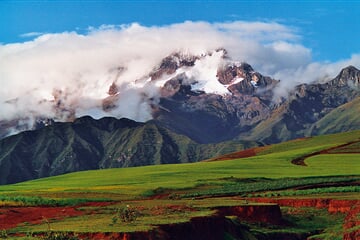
pixel 329 28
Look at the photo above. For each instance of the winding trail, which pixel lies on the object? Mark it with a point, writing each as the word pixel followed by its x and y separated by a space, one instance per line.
pixel 301 160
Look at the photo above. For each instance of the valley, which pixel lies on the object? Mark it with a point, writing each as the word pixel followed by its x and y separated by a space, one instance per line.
pixel 179 120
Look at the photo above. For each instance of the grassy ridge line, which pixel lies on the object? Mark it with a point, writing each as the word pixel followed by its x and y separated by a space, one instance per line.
pixel 321 142
pixel 296 148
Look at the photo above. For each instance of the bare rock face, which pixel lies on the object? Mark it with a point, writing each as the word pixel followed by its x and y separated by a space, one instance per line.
pixel 349 76
pixel 113 89
pixel 170 64
pixel 228 73
pixel 177 88
pixel 242 79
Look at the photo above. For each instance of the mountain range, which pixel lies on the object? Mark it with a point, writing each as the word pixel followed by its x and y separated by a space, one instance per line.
pixel 253 111
pixel 192 121
pixel 88 144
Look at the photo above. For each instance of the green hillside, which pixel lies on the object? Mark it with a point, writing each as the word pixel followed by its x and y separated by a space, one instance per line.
pixel 95 144
pixel 271 162
pixel 343 118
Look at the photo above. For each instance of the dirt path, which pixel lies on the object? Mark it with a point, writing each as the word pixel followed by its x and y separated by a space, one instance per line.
pixel 301 160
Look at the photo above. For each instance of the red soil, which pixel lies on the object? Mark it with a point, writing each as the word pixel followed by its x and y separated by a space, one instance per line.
pixel 242 154
pixel 161 210
pixel 11 217
pixel 352 220
pixel 254 213
pixel 333 205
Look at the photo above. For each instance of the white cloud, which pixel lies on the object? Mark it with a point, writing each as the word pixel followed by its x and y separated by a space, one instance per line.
pixel 31 34
pixel 81 67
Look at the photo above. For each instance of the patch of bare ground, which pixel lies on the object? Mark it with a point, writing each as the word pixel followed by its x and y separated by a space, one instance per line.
pixel 251 152
pixel 11 217
pixel 269 213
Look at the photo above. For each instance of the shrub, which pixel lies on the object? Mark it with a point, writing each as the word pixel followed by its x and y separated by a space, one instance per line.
pixel 128 214
pixel 3 234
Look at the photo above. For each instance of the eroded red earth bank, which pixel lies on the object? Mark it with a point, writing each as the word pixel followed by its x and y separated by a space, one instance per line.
pixel 198 227
pixel 11 217
pixel 349 207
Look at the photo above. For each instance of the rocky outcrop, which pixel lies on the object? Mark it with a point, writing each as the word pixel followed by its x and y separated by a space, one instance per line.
pixel 242 79
pixel 348 77
pixel 171 63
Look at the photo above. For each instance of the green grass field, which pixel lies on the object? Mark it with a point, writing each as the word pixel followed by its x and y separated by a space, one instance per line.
pixel 197 186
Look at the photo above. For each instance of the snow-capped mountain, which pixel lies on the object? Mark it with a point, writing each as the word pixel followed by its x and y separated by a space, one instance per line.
pixel 187 101
pixel 208 97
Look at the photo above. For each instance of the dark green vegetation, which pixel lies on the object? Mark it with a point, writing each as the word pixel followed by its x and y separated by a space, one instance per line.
pixel 95 144
pixel 250 187
pixel 220 199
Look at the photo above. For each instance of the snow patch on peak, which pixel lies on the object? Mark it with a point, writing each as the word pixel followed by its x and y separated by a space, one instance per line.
pixel 161 82
pixel 234 81
pixel 237 80
pixel 204 74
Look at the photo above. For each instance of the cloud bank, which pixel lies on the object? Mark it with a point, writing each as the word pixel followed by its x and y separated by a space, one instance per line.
pixel 64 75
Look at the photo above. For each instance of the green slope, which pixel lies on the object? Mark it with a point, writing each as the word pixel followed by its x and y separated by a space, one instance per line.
pixel 343 118
pixel 273 162
pixel 95 144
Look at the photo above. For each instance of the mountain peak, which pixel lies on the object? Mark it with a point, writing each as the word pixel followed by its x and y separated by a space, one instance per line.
pixel 349 76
